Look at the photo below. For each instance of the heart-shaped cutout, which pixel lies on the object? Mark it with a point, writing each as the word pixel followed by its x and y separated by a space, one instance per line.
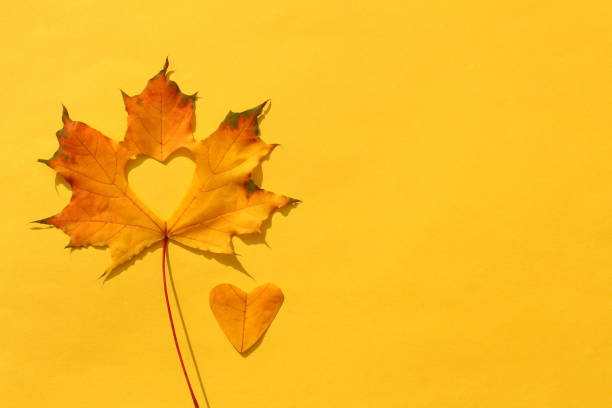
pixel 161 186
pixel 245 317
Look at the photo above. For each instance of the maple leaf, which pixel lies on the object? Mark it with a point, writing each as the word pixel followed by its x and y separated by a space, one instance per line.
pixel 222 201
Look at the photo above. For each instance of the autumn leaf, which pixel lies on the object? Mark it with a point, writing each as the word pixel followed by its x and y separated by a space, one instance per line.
pixel 222 201
pixel 245 317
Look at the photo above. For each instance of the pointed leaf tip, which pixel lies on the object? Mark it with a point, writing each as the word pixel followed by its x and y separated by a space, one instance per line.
pixel 41 221
pixel 65 114
pixel 166 65
pixel 259 108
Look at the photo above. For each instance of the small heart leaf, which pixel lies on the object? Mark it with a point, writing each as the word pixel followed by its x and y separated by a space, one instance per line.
pixel 245 317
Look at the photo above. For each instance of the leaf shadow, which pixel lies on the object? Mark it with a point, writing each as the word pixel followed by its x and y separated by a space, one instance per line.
pixel 185 330
pixel 39 227
pixel 61 181
pixel 259 238
pixel 255 346
pixel 257 177
pixel 123 267
pixel 230 260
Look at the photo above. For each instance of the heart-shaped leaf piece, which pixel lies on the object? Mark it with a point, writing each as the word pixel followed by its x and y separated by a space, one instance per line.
pixel 245 317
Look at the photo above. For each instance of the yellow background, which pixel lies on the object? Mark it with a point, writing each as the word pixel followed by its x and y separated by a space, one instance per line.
pixel 454 246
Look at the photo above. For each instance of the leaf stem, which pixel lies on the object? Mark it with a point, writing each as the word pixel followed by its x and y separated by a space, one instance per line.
pixel 178 349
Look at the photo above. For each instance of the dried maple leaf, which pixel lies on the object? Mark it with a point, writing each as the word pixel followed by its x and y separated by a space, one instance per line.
pixel 221 202
pixel 245 317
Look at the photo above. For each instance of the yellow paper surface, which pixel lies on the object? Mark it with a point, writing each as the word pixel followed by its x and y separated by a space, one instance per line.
pixel 454 245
